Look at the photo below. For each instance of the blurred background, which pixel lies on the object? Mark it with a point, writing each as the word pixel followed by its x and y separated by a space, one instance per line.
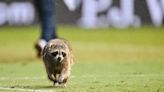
pixel 118 45
pixel 88 14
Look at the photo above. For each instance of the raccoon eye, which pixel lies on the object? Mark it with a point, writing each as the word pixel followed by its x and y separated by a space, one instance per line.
pixel 64 54
pixel 54 53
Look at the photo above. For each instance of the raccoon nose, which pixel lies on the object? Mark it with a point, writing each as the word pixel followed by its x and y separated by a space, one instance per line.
pixel 59 58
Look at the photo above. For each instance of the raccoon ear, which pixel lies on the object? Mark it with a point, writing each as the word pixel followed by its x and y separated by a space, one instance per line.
pixel 50 44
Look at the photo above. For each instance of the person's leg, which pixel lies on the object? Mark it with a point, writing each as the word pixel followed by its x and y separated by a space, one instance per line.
pixel 46 12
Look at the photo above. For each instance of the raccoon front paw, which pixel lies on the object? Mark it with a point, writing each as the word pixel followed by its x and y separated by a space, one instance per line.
pixel 55 83
pixel 60 81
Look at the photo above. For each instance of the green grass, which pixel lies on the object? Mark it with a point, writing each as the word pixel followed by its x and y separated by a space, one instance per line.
pixel 106 60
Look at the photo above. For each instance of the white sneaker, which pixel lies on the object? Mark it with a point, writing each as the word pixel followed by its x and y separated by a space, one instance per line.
pixel 42 43
pixel 39 46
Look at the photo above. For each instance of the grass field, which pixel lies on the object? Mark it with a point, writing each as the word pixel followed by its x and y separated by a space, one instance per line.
pixel 106 60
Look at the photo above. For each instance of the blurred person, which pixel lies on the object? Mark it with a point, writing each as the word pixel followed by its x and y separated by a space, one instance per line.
pixel 46 12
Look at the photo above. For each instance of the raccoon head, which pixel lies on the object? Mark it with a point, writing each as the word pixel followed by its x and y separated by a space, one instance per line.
pixel 58 53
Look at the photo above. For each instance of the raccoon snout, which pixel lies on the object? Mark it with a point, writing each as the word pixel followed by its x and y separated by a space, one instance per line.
pixel 59 58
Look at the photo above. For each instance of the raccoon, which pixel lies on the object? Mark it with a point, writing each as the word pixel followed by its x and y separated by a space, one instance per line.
pixel 58 58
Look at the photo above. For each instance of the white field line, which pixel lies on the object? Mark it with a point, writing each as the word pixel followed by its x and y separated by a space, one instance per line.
pixel 24 89
pixel 22 78
pixel 86 76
